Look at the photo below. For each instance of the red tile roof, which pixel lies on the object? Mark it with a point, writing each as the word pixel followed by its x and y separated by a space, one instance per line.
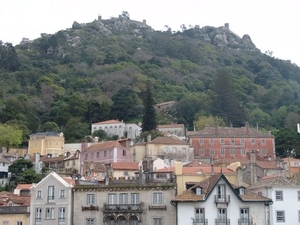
pixel 107 122
pixel 170 126
pixel 107 145
pixel 273 181
pixel 125 165
pixel 198 170
pixel 168 140
pixel 23 186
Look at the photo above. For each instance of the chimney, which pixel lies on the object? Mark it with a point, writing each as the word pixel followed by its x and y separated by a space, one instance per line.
pixel 212 166
pixel 107 173
pixel 253 166
pixel 239 176
pixel 149 138
pixel 216 128
pixel 247 128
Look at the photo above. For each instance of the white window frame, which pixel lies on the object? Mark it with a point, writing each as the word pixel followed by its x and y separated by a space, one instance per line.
pixel 242 141
pixel 298 194
pixel 222 151
pixel 51 194
pixel 39 194
pixel 38 215
pixel 62 193
pixel 279 195
pixel 201 141
pixel 199 216
pixel 174 149
pixel 19 223
pixel 263 141
pixel 157 221
pixel 135 198
pixel 232 151
pixel 90 221
pixel 183 150
pixel 90 199
pixel 50 213
pixel 198 191
pixel 201 151
pixel 112 199
pixel 280 218
pixel 212 151
pixel 5 223
pixel 157 198
pixel 123 198
pixel 222 141
pixel 61 214
pixel 211 141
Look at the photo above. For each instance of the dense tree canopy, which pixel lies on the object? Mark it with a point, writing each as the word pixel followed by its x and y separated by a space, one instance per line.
pixel 10 136
pixel 287 142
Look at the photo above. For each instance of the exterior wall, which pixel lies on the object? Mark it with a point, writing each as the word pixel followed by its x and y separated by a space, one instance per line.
pixel 4 166
pixel 172 129
pixel 186 210
pixel 14 218
pixel 137 152
pixel 58 202
pixel 168 214
pixel 208 143
pixel 44 145
pixel 120 173
pixel 111 129
pixel 133 130
pixel 290 203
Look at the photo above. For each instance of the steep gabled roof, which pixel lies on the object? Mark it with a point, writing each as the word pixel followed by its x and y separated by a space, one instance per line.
pixel 53 175
pixel 168 140
pixel 207 187
pixel 273 181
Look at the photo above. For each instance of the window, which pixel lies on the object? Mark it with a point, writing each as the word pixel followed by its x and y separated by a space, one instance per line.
pixel 198 191
pixel 166 149
pixel 112 199
pixel 242 141
pixel 201 141
pixel 38 215
pixel 296 164
pixel 232 151
pixel 125 173
pixel 199 216
pixel 211 141
pixel 252 141
pixel 34 144
pixel 90 221
pixel 135 198
pixel 19 223
pixel 123 198
pixel 244 215
pixel 124 152
pixel 298 216
pixel 243 152
pixel 174 149
pixel 105 153
pixel 92 155
pixel 110 153
pixel 50 213
pixel 232 141
pixel 222 141
pixel 222 151
pixel 49 143
pixel 263 151
pixel 50 193
pixel 86 156
pixel 157 221
pixel 61 214
pixel 56 144
pixel 278 195
pixel 212 151
pixel 157 198
pixel 263 141
pixel 242 191
pixel 62 194
pixel 280 217
pixel 98 154
pixel 201 151
pixel 183 150
pixel 90 199
pixel 5 223
pixel 39 194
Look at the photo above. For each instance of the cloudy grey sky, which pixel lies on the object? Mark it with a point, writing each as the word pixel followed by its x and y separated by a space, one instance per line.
pixel 271 24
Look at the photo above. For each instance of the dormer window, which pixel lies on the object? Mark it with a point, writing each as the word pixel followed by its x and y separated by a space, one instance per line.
pixel 198 191
pixel 242 191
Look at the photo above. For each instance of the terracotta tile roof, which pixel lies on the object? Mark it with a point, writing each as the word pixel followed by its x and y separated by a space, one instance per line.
pixel 107 122
pixel 207 187
pixel 52 159
pixel 230 132
pixel 294 169
pixel 273 181
pixel 95 166
pixel 170 126
pixel 44 134
pixel 23 186
pixel 107 145
pixel 69 180
pixel 4 160
pixel 197 170
pixel 125 165
pixel 168 140
pixel 5 197
pixel 196 163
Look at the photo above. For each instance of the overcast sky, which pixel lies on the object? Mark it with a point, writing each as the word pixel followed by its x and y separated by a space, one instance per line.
pixel 271 24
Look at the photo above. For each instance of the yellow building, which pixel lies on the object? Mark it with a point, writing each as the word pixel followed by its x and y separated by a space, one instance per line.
pixel 45 143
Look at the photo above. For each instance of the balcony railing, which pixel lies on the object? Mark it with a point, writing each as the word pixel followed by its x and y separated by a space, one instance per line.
pixel 222 198
pixel 38 221
pixel 14 210
pixel 200 222
pixel 222 222
pixel 90 208
pixel 245 221
pixel 122 208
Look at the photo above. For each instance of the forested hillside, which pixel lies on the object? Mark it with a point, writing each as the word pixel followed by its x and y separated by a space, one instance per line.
pixel 96 71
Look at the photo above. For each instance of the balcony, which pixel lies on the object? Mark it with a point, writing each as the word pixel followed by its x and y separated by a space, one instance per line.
pixel 245 221
pixel 14 210
pixel 200 222
pixel 222 199
pixel 90 208
pixel 122 208
pixel 222 222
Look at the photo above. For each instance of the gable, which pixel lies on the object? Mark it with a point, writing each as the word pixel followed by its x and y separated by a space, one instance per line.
pixel 50 180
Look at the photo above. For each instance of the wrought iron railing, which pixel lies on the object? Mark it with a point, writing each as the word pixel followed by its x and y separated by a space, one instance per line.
pixel 222 221
pixel 222 198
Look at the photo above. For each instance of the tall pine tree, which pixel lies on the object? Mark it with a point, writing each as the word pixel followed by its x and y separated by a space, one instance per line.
pixel 226 103
pixel 149 116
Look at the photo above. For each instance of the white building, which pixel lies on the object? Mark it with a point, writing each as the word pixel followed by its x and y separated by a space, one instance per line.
pixel 286 198
pixel 51 201
pixel 116 127
pixel 4 164
pixel 216 201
